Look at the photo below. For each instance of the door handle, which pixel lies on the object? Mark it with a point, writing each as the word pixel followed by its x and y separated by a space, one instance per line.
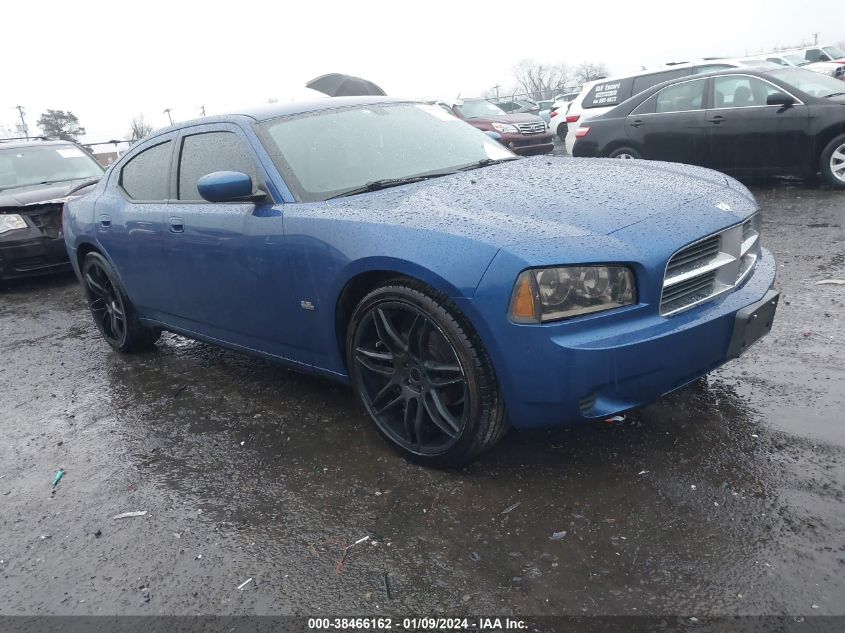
pixel 105 221
pixel 177 225
pixel 717 119
pixel 637 123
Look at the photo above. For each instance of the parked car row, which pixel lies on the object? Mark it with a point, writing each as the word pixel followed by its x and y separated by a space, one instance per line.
pixel 787 121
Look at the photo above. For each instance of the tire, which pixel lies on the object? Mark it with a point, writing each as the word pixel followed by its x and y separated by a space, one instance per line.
pixel 423 376
pixel 562 130
pixel 112 311
pixel 832 163
pixel 624 153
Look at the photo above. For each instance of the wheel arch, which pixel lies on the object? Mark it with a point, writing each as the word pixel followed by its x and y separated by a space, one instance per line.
pixel 822 139
pixel 361 281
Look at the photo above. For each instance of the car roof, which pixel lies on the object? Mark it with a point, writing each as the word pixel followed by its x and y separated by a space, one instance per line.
pixel 276 110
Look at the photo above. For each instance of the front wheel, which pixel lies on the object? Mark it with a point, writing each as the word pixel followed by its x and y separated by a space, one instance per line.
pixel 423 375
pixel 625 153
pixel 833 162
pixel 113 312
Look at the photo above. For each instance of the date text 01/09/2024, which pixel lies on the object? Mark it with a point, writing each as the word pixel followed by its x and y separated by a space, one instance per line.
pixel 418 623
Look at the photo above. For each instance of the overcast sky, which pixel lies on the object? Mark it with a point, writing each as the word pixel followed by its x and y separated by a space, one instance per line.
pixel 108 61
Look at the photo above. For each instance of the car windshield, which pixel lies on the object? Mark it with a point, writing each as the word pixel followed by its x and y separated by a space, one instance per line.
pixel 814 84
pixel 328 153
pixel 34 165
pixel 479 109
pixel 834 51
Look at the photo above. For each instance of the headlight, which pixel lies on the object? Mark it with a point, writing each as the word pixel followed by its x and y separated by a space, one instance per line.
pixel 504 128
pixel 549 294
pixel 10 222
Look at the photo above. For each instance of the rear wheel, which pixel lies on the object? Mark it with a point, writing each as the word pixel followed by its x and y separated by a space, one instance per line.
pixel 111 308
pixel 833 162
pixel 625 153
pixel 423 375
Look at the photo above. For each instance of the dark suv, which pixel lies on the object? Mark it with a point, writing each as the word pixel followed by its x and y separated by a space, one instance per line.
pixel 36 178
pixel 524 134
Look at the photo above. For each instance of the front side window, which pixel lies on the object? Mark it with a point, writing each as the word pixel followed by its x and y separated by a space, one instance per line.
pixel 332 152
pixel 682 97
pixel 203 154
pixel 147 175
pixel 739 91
pixel 36 165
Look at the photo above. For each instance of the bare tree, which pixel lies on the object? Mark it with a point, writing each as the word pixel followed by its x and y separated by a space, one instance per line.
pixel 138 127
pixel 541 81
pixel 590 71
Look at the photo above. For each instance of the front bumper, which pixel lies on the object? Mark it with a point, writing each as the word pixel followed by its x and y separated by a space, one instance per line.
pixel 529 144
pixel 594 367
pixel 32 255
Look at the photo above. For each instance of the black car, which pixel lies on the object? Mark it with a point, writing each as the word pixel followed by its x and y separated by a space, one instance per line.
pixel 36 178
pixel 788 121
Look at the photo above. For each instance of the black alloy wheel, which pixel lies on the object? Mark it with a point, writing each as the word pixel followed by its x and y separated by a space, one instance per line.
pixel 427 385
pixel 111 308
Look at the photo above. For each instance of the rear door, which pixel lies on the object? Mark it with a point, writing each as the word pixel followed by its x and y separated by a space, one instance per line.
pixel 670 125
pixel 746 135
pixel 129 223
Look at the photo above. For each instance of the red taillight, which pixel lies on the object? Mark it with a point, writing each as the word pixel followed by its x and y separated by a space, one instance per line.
pixel 572 118
pixel 581 132
pixel 552 114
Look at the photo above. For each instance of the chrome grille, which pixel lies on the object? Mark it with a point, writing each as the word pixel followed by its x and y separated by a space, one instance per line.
pixel 710 267
pixel 531 128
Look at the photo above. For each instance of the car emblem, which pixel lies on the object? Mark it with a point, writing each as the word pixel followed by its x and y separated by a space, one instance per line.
pixel 724 206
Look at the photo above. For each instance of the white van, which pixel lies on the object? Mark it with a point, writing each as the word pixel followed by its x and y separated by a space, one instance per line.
pixel 597 97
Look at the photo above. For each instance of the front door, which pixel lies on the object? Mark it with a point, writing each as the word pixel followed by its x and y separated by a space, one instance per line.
pixel 228 261
pixel 746 135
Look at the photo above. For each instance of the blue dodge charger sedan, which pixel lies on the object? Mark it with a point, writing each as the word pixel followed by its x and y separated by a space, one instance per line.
pixel 459 289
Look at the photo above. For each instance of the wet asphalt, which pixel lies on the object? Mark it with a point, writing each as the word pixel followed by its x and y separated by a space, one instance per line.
pixel 724 498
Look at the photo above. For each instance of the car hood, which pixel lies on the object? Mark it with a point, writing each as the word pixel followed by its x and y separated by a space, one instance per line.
pixel 520 117
pixel 542 197
pixel 36 194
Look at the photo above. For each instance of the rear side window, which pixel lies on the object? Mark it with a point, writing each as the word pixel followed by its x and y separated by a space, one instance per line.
pixel 644 82
pixel 681 97
pixel 147 175
pixel 205 153
pixel 815 55
pixel 608 94
pixel 710 68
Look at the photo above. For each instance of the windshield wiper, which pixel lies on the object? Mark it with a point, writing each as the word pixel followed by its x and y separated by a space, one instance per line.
pixel 484 162
pixel 834 94
pixel 384 183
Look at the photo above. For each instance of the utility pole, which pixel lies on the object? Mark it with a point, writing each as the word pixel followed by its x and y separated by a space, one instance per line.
pixel 170 118
pixel 816 38
pixel 202 110
pixel 496 88
pixel 23 121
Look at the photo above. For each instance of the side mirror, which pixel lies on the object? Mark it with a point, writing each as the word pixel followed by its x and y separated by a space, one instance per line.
pixel 494 135
pixel 228 186
pixel 780 99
